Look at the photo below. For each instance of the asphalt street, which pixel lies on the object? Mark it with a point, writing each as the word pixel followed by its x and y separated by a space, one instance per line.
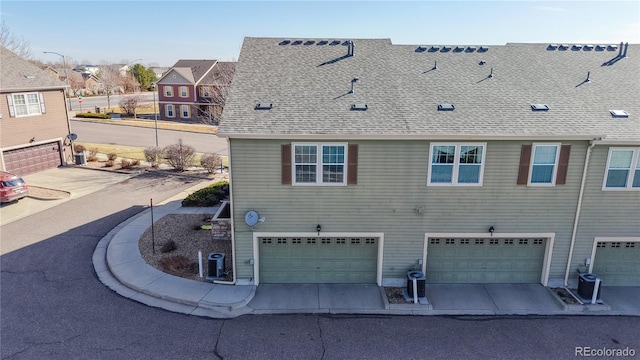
pixel 54 307
pixel 144 137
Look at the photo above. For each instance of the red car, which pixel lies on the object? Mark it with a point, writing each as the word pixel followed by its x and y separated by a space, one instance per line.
pixel 12 187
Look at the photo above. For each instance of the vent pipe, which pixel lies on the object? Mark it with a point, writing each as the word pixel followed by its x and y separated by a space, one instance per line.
pixel 350 48
pixel 626 46
pixel 588 77
pixel 353 81
pixel 491 74
pixel 621 45
pixel 435 65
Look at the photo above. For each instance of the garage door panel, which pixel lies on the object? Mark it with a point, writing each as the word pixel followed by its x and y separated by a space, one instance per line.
pixel 618 263
pixel 32 159
pixel 318 260
pixel 490 260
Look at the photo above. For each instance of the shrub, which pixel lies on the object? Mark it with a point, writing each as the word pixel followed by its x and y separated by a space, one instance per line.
pixel 179 155
pixel 135 162
pixel 153 155
pixel 209 196
pixel 178 265
pixel 109 163
pixel 125 164
pixel 210 162
pixel 78 148
pixel 112 156
pixel 92 115
pixel 168 246
pixel 93 154
pixel 129 104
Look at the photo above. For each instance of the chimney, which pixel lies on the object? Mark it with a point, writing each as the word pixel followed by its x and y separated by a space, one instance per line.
pixel 626 46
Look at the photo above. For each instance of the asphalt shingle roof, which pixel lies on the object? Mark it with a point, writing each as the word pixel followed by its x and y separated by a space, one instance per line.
pixel 193 70
pixel 18 74
pixel 308 85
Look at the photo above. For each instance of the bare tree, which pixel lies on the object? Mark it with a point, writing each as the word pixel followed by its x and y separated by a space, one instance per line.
pixel 129 104
pixel 214 93
pixel 111 81
pixel 76 82
pixel 11 41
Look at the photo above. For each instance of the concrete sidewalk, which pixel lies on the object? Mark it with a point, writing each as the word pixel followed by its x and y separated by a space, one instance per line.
pixel 120 266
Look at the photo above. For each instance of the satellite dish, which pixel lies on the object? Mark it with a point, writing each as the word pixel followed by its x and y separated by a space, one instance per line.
pixel 251 218
pixel 72 136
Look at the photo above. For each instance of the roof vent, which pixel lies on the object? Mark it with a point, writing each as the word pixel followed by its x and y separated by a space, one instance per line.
pixel 263 106
pixel 284 42
pixel 322 42
pixel 576 47
pixel 483 49
pixel 482 62
pixel 309 42
pixel 470 49
pixel 297 42
pixel 420 49
pixel 446 49
pixel 588 47
pixel 563 47
pixel 359 107
pixel 458 49
pixel 434 48
pixel 539 107
pixel 446 107
pixel 612 47
pixel 29 76
pixel 619 113
pixel 552 47
pixel 601 47
pixel 335 42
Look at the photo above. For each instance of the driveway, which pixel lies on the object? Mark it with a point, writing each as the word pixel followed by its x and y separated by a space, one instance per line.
pixel 78 181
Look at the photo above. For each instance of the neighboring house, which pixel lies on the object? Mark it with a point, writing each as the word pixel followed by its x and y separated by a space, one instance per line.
pixel 517 163
pixel 87 69
pixel 93 85
pixel 191 90
pixel 159 71
pixel 33 117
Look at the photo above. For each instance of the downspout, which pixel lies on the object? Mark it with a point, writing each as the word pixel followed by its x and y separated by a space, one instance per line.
pixel 233 232
pixel 574 233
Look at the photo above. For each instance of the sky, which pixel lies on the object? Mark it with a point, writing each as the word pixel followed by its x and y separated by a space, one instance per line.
pixel 162 32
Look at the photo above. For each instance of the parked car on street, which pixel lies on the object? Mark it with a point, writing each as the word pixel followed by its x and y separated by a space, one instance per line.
pixel 12 187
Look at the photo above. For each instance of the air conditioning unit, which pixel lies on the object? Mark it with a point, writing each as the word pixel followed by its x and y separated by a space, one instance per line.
pixel 216 266
pixel 588 284
pixel 420 283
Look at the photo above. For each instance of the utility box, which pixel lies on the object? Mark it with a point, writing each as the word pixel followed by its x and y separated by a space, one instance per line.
pixel 97 109
pixel 216 266
pixel 420 283
pixel 587 286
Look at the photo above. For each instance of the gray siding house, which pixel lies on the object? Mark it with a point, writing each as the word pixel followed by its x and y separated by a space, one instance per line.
pixel 355 161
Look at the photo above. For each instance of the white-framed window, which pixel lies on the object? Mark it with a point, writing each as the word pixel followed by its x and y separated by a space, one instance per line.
pixel 170 111
pixel 168 91
pixel 319 164
pixel 184 111
pixel 205 91
pixel 26 104
pixel 184 91
pixel 623 169
pixel 456 164
pixel 544 164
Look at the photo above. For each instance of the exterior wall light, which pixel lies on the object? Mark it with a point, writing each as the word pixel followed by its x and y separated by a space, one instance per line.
pixel 491 230
pixel 318 228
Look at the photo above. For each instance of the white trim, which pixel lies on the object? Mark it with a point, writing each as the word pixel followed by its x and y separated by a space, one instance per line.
pixel 180 91
pixel 182 107
pixel 555 164
pixel 173 110
pixel 319 164
pixel 39 97
pixel 632 170
pixel 456 163
pixel 546 264
pixel 256 250
pixel 164 89
pixel 598 239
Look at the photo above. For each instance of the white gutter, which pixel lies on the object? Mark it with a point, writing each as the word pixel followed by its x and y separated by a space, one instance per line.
pixel 574 233
pixel 233 233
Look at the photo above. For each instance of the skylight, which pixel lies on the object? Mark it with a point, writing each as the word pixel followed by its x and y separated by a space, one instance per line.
pixel 619 113
pixel 539 107
pixel 359 107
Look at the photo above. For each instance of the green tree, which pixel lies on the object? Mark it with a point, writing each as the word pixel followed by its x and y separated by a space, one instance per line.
pixel 144 76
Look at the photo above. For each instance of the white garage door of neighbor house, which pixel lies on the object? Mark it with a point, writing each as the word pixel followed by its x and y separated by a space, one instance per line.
pixel 31 159
pixel 489 260
pixel 318 259
pixel 617 263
